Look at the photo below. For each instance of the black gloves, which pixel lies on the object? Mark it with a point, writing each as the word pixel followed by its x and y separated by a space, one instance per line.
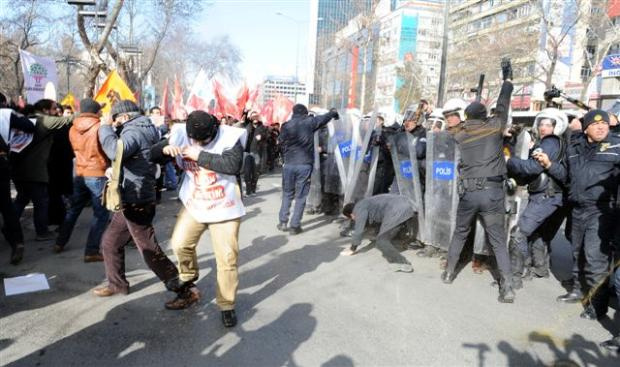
pixel 334 113
pixel 506 69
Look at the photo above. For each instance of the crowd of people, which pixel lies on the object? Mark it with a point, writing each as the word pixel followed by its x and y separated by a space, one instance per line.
pixel 119 163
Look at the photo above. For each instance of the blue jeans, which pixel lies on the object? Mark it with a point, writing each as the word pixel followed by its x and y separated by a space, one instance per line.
pixel 295 186
pixel 170 176
pixel 85 189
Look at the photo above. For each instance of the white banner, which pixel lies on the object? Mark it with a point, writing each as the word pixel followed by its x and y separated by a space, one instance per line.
pixel 40 76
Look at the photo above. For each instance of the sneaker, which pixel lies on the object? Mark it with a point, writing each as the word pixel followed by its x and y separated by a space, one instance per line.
pixel 282 227
pixel 93 258
pixel 403 268
pixel 47 236
pixel 58 249
pixel 229 318
pixel 184 300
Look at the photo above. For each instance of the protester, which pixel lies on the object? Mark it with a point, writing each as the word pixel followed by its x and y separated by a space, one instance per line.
pixel 10 121
pixel 89 182
pixel 257 137
pixel 211 157
pixel 389 212
pixel 297 142
pixel 135 219
pixel 29 168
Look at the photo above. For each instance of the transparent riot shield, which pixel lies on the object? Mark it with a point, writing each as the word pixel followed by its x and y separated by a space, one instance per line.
pixel 406 172
pixel 516 197
pixel 340 142
pixel 372 172
pixel 359 162
pixel 441 196
pixel 314 196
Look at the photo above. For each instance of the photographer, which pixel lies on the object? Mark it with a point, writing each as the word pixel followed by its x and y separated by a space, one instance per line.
pixel 482 172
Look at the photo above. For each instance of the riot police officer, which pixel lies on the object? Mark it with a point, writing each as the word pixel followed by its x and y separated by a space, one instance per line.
pixel 545 196
pixel 592 171
pixel 482 170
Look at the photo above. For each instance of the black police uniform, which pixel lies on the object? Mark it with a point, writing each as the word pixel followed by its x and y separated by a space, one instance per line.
pixel 545 200
pixel 482 168
pixel 593 175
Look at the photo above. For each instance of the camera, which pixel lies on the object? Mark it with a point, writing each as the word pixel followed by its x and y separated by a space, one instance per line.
pixel 552 93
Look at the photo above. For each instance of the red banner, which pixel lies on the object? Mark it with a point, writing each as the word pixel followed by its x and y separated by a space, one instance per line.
pixel 223 107
pixel 282 108
pixel 266 113
pixel 165 109
pixel 242 98
pixel 178 111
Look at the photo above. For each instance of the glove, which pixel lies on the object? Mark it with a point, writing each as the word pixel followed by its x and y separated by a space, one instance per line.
pixel 334 113
pixel 506 69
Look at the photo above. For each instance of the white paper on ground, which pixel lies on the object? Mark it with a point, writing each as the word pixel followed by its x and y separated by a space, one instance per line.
pixel 25 284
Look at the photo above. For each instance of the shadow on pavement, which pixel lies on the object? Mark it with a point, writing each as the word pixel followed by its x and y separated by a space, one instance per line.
pixel 575 351
pixel 135 333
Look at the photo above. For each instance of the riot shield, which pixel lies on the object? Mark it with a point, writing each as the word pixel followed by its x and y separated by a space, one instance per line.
pixel 516 199
pixel 359 162
pixel 402 148
pixel 340 132
pixel 314 196
pixel 441 197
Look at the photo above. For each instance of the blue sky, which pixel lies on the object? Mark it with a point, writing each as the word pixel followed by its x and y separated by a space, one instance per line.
pixel 268 42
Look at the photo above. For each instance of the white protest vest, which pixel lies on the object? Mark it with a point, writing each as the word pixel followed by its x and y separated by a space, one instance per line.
pixel 209 196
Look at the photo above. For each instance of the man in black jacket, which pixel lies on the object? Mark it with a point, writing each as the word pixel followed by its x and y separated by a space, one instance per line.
pixel 297 142
pixel 592 172
pixel 482 171
pixel 135 220
pixel 258 136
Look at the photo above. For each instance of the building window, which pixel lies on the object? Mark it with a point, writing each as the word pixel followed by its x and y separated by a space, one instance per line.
pixel 586 72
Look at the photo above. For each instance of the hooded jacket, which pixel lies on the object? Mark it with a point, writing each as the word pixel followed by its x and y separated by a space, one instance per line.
pixel 90 160
pixel 297 137
pixel 138 172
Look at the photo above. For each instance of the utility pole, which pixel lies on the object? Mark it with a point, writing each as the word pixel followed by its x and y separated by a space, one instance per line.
pixel 441 93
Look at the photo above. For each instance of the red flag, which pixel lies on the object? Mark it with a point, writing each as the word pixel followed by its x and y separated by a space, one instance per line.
pixel 178 111
pixel 252 103
pixel 165 109
pixel 282 108
pixel 201 94
pixel 242 97
pixel 223 106
pixel 266 112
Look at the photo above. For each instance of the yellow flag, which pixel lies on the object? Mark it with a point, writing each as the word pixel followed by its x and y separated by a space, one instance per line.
pixel 69 100
pixel 113 89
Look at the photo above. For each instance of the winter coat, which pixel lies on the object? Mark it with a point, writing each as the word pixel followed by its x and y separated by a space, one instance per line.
pixel 138 172
pixel 90 160
pixel 297 137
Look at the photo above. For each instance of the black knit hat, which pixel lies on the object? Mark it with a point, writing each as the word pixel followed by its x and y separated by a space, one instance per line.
pixel 124 106
pixel 476 111
pixel 300 109
pixel 201 126
pixel 89 105
pixel 594 116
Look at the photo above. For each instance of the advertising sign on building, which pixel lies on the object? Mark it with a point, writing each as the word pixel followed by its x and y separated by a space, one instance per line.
pixel 611 66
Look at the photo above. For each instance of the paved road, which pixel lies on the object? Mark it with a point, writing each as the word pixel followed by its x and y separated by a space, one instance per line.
pixel 299 303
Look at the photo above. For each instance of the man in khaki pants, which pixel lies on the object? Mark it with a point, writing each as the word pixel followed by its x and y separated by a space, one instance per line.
pixel 211 156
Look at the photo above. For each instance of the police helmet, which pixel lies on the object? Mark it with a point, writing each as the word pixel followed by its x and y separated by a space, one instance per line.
pixel 560 119
pixel 455 105
pixel 436 119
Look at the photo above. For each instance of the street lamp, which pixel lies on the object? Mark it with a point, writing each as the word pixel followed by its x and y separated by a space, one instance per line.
pixel 298 23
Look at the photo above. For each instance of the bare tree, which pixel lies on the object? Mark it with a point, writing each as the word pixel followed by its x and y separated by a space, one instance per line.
pixel 601 35
pixel 557 30
pixel 411 89
pixel 23 27
pixel 95 46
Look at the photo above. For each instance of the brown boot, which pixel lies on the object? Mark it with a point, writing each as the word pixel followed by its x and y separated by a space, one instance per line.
pixel 106 291
pixel 184 299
